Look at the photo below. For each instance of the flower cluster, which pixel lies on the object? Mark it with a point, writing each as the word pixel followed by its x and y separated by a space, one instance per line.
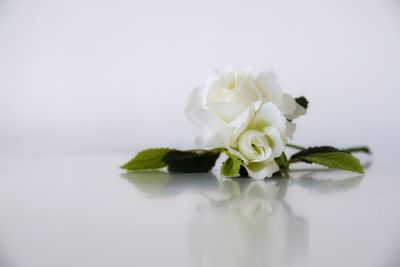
pixel 248 115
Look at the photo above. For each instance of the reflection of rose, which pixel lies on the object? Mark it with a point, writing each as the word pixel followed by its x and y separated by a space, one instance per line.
pixel 164 184
pixel 253 230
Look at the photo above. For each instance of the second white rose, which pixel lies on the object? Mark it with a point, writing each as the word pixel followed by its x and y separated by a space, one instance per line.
pixel 257 137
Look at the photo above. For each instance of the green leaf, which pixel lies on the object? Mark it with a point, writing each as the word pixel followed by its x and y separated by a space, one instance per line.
pixel 363 149
pixel 148 159
pixel 190 161
pixel 313 150
pixel 302 101
pixel 231 166
pixel 336 160
pixel 283 163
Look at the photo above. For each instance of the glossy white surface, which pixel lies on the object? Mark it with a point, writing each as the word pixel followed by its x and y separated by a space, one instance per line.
pixel 83 211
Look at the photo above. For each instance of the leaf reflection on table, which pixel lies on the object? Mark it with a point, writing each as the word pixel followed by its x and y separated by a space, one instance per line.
pixel 164 184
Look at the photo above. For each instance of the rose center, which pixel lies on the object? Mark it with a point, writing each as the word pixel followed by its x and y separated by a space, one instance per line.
pixel 254 146
pixel 231 84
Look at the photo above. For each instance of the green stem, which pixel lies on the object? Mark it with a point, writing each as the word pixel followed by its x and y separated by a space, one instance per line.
pixel 363 149
pixel 296 146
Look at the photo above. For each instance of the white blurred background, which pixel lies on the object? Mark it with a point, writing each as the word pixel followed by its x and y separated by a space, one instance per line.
pixel 114 76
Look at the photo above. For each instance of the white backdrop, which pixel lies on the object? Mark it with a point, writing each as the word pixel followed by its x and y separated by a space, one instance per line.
pixel 114 76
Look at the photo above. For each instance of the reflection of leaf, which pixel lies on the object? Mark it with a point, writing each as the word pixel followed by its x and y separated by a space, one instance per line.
pixel 151 182
pixel 164 184
pixel 328 182
pixel 232 187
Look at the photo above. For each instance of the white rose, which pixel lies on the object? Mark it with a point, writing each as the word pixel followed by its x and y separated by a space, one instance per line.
pixel 257 137
pixel 229 92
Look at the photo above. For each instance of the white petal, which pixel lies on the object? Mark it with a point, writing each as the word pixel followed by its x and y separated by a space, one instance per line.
pixel 260 170
pixel 210 139
pixel 269 115
pixel 227 111
pixel 277 144
pixel 290 129
pixel 269 85
pixel 238 154
pixel 297 113
pixel 257 138
pixel 219 93
pixel 207 119
pixel 241 123
pixel 288 105
pixel 195 103
pixel 245 92
pixel 197 113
